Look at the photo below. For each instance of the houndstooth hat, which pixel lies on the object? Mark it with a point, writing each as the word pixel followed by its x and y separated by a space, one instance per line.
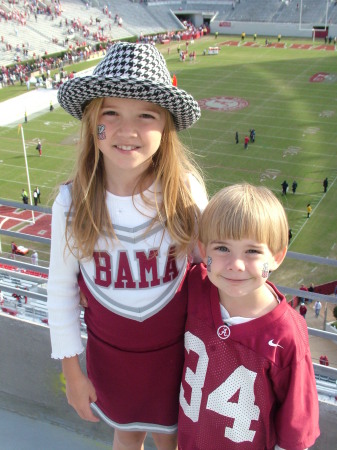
pixel 136 71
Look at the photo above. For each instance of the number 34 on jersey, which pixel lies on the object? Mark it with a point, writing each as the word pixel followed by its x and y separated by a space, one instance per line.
pixel 241 381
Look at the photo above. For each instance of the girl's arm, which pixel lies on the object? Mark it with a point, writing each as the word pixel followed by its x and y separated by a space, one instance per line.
pixel 63 291
pixel 63 313
pixel 79 389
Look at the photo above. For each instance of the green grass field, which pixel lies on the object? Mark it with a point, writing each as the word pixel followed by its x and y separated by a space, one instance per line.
pixel 296 138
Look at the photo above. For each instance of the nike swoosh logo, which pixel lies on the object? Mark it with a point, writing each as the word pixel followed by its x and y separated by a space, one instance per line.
pixel 272 343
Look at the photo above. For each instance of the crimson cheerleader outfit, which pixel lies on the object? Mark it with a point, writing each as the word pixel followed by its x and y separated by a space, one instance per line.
pixel 135 316
pixel 248 386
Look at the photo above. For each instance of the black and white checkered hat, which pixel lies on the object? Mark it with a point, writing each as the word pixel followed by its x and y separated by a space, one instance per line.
pixel 136 71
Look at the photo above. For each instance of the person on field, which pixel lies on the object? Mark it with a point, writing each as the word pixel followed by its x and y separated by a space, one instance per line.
pixel 35 197
pixel 294 186
pixel 39 147
pixel 38 194
pixel 24 196
pixel 285 187
pixel 309 210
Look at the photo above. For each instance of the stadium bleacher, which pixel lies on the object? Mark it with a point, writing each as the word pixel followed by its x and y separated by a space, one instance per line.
pixel 49 31
pixel 45 33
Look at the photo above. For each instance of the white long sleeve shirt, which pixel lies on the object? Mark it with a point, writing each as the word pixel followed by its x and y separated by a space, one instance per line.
pixel 124 278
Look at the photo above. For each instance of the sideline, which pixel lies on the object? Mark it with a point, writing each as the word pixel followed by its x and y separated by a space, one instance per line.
pixel 12 111
pixel 34 102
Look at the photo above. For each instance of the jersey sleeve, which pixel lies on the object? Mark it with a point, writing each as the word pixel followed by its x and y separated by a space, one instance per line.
pixel 63 291
pixel 297 417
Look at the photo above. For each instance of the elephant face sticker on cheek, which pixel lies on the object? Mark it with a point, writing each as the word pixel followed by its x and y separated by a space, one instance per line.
pixel 101 132
pixel 265 270
pixel 209 263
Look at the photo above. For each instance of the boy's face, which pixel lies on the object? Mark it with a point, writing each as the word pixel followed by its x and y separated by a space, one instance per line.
pixel 239 267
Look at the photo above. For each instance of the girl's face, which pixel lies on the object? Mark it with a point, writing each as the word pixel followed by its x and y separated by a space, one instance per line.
pixel 129 133
pixel 239 268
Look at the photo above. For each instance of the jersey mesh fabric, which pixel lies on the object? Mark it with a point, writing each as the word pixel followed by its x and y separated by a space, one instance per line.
pixel 251 390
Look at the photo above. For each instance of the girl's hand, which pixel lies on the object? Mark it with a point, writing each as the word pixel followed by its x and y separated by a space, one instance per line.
pixel 80 393
pixel 79 389
pixel 83 300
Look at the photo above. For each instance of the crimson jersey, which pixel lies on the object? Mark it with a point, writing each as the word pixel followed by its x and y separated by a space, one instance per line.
pixel 248 386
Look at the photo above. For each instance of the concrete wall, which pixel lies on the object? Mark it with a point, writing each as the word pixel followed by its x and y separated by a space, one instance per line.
pixel 31 382
pixel 31 385
pixel 264 29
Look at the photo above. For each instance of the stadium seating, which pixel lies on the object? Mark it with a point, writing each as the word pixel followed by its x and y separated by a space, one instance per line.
pixel 44 33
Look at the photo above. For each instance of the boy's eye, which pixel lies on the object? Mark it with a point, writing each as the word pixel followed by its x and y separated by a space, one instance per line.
pixel 222 248
pixel 254 251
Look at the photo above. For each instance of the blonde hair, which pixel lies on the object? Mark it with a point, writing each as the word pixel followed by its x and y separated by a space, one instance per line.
pixel 88 216
pixel 243 211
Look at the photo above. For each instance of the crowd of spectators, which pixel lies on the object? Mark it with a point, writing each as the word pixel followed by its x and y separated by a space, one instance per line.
pixel 20 11
pixel 41 67
pixel 189 31
pixel 28 62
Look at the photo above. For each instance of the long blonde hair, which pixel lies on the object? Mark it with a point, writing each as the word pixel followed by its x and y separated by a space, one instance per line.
pixel 88 216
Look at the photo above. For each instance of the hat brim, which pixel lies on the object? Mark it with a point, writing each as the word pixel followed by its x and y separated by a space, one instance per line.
pixel 75 94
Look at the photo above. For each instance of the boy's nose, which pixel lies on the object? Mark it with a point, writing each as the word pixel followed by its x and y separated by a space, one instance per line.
pixel 236 264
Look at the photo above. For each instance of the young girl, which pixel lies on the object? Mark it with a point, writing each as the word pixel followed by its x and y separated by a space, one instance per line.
pixel 248 381
pixel 121 231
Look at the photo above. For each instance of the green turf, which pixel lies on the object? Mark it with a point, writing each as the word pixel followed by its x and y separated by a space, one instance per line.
pixel 296 137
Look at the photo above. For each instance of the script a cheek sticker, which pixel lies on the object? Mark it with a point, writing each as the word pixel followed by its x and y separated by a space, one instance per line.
pixel 101 132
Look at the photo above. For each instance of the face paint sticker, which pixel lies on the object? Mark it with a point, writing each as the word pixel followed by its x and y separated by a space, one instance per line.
pixel 265 270
pixel 101 132
pixel 209 263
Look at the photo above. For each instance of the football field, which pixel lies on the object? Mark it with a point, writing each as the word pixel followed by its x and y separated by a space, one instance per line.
pixel 286 92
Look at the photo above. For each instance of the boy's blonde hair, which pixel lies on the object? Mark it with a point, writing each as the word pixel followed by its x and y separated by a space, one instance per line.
pixel 243 211
pixel 170 166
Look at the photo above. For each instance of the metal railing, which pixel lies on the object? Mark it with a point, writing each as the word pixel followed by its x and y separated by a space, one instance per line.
pixel 326 376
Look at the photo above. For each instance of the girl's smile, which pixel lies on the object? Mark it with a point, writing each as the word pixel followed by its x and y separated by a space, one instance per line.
pixel 126 148
pixel 129 134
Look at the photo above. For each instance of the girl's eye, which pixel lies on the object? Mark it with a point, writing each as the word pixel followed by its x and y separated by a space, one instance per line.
pixel 109 113
pixel 147 116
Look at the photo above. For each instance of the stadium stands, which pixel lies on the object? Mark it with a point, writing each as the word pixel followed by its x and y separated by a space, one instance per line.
pixel 80 24
pixel 77 25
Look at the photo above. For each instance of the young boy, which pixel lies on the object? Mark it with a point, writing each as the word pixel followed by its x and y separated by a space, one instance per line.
pixel 248 380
